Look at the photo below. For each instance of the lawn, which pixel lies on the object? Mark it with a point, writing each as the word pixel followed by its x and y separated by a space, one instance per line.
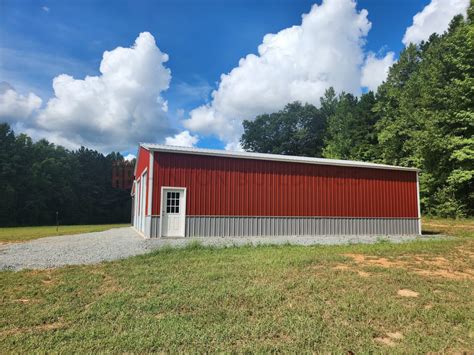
pixel 22 234
pixel 405 298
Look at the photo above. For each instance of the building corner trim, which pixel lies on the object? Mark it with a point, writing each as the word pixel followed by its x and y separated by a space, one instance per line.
pixel 150 189
pixel 419 203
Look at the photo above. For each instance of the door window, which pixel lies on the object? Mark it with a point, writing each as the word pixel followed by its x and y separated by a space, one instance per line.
pixel 172 202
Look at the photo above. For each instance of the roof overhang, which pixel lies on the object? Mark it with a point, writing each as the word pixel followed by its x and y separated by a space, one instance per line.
pixel 270 157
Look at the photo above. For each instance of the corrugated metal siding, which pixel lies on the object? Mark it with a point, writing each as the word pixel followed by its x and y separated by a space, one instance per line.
pixel 143 160
pixel 155 227
pixel 220 186
pixel 213 226
pixel 210 226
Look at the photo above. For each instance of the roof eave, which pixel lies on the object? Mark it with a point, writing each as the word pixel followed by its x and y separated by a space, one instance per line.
pixel 272 157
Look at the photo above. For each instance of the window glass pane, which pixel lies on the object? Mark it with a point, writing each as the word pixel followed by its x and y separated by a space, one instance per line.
pixel 172 201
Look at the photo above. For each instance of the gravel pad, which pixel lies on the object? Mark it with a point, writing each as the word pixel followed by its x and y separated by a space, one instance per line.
pixel 118 243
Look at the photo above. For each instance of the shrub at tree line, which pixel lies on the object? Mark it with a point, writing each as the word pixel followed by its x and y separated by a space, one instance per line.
pixel 421 116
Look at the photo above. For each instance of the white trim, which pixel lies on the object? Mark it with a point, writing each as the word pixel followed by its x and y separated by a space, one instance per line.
pixel 138 216
pixel 150 184
pixel 272 157
pixel 161 213
pixel 419 203
pixel 141 175
pixel 135 182
pixel 160 233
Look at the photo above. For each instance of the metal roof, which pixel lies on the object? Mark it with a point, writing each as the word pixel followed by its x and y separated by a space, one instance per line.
pixel 272 157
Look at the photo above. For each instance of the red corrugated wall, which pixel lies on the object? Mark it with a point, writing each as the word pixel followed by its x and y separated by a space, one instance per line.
pixel 221 186
pixel 143 160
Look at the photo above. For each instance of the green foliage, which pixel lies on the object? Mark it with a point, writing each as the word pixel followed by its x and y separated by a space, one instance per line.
pixel 351 129
pixel 421 116
pixel 295 130
pixel 38 179
pixel 427 121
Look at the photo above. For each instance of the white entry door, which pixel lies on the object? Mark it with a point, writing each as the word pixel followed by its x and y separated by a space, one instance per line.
pixel 173 211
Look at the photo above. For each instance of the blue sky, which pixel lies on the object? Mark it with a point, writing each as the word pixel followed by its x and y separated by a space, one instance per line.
pixel 40 40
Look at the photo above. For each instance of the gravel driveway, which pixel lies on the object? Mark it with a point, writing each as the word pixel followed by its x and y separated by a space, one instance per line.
pixel 118 243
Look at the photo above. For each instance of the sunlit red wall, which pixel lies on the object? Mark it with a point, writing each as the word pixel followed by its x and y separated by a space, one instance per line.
pixel 221 186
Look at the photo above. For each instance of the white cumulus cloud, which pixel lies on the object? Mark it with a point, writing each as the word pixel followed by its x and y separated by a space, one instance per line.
pixel 129 157
pixel 375 70
pixel 15 107
pixel 183 139
pixel 434 18
pixel 118 108
pixel 297 63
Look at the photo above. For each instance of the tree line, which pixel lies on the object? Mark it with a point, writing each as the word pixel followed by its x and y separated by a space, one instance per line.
pixel 38 179
pixel 421 116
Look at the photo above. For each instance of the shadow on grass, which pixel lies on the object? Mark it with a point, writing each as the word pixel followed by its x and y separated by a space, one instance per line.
pixel 431 232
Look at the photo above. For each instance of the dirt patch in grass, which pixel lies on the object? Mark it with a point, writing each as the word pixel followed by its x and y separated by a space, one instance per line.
pixel 342 267
pixel 390 339
pixel 407 293
pixel 34 329
pixel 460 226
pixel 108 284
pixel 374 261
pixel 22 300
pixel 456 267
pixel 449 274
pixel 467 252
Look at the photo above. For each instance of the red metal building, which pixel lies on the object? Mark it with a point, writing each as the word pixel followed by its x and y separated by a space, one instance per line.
pixel 200 192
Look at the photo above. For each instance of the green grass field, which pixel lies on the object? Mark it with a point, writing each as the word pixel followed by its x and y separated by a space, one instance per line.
pixel 22 234
pixel 407 298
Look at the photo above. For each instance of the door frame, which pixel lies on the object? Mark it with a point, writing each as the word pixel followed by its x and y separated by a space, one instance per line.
pixel 138 202
pixel 143 202
pixel 183 189
pixel 135 206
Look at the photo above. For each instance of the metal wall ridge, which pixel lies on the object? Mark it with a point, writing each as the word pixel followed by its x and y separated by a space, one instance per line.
pixel 327 217
pixel 219 186
pixel 241 226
